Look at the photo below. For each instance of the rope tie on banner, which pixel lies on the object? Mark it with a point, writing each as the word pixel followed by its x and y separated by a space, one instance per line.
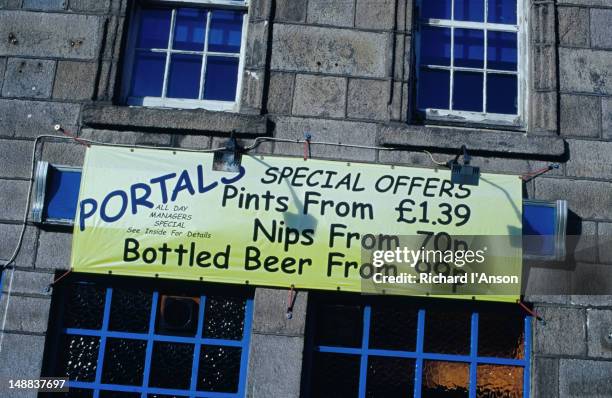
pixel 307 138
pixel 292 295
pixel 62 130
pixel 530 311
pixel 530 176
pixel 52 284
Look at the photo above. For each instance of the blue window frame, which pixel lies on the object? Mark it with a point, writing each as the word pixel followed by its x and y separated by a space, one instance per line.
pixel 469 60
pixel 390 347
pixel 186 57
pixel 127 337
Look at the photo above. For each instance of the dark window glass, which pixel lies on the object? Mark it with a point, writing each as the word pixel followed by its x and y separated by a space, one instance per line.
pixel 130 310
pixel 148 74
pixel 436 9
pixel 447 332
pixel 189 29
pixel 221 78
pixel 171 365
pixel 219 368
pixel 502 94
pixel 390 377
pixel 119 394
pixel 501 50
pixel 393 327
pixel 467 95
pixel 124 361
pixel 164 396
pixel 501 335
pixel 224 318
pixel 154 28
pixel 184 76
pixel 74 393
pixel 339 325
pixel 79 358
pixel 335 375
pixel 445 379
pixel 469 48
pixel 502 11
pixel 225 31
pixel 85 307
pixel 434 88
pixel 435 46
pixel 469 10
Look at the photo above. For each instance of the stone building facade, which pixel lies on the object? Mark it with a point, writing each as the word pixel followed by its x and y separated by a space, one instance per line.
pixel 344 71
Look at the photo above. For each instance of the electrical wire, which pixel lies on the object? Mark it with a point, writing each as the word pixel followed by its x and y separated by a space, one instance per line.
pixel 434 160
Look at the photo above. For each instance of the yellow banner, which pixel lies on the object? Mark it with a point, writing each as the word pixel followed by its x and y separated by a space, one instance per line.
pixel 281 221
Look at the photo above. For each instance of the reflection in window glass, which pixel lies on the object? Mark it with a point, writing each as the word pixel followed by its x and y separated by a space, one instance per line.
pixel 448 348
pixel 455 41
pixel 139 337
pixel 445 379
pixel 502 93
pixel 434 88
pixel 468 82
pixel 186 53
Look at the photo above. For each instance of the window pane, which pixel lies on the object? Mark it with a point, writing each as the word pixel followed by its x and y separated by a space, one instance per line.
pixel 501 50
pixel 79 358
pixel 436 9
pixel 393 327
pixel 148 74
pixel 130 310
pixel 171 365
pixel 434 88
pixel 118 394
pixel 339 325
pixel 469 10
pixel 75 393
pixel 219 369
pixel 447 332
pixel 445 379
pixel 124 361
pixel 502 11
pixel 189 29
pixel 435 46
pixel 467 91
pixel 469 48
pixel 184 76
pixel 500 335
pixel 335 375
pixel 154 28
pixel 390 377
pixel 225 31
pixel 85 306
pixel 221 79
pixel 499 381
pixel 224 318
pixel 502 94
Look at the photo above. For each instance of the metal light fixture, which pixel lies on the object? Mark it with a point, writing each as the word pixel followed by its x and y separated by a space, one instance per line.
pixel 230 158
pixel 464 174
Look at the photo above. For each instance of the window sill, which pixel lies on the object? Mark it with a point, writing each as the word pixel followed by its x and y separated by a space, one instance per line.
pixel 488 141
pixel 181 120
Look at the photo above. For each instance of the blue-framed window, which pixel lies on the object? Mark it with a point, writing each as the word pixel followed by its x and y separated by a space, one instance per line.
pixel 188 57
pixel 129 338
pixel 391 347
pixel 469 60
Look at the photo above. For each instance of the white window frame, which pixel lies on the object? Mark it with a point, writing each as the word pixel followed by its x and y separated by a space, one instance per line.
pixel 185 103
pixel 518 120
